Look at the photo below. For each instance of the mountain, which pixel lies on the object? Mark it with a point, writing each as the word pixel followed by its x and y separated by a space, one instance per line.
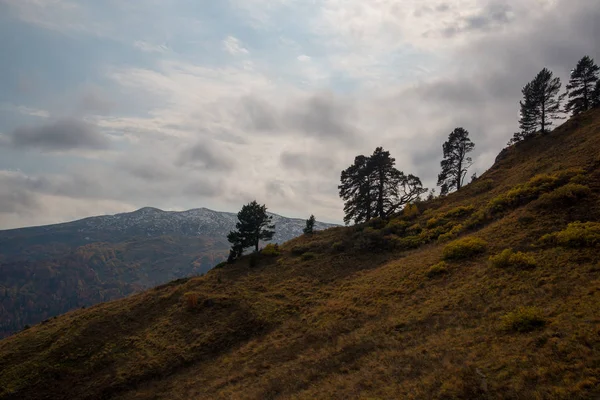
pixel 49 270
pixel 491 292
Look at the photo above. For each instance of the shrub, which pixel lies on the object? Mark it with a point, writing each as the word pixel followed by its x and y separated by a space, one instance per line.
pixel 253 260
pixel 410 211
pixel 299 250
pixel 220 265
pixel 543 181
pixel 460 211
pixel 377 223
pixel 525 319
pixel 271 250
pixel 408 242
pixel 477 220
pixel 338 246
pixel 464 248
pixel 564 195
pixel 482 186
pixel 508 258
pixel 191 300
pixel 456 229
pixel 396 227
pixel 577 234
pixel 432 223
pixel 308 256
pixel 414 229
pixel 566 175
pixel 438 269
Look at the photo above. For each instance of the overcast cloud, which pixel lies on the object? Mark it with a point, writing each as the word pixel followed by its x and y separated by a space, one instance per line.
pixel 111 106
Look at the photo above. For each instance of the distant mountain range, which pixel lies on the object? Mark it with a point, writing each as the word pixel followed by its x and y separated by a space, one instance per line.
pixel 49 270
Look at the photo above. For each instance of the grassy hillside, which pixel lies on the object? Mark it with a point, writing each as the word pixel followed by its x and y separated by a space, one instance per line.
pixel 489 293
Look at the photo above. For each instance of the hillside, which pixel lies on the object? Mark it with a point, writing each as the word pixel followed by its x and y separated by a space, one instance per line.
pixel 49 270
pixel 409 308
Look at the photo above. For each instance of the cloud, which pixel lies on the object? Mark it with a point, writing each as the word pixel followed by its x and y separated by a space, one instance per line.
pixel 193 126
pixel 234 46
pixel 149 47
pixel 63 134
pixel 208 157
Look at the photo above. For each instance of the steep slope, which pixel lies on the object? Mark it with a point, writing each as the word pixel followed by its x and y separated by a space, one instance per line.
pixel 49 270
pixel 367 311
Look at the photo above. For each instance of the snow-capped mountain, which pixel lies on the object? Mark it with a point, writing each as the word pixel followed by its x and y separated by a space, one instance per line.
pixel 144 223
pixel 150 221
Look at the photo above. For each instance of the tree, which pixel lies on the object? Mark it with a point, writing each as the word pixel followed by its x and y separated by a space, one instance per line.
pixel 355 190
pixel 373 187
pixel 254 225
pixel 596 95
pixel 455 163
pixel 540 105
pixel 310 225
pixel 581 86
pixel 528 115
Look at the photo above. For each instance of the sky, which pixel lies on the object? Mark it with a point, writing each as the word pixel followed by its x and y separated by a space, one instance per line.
pixel 108 106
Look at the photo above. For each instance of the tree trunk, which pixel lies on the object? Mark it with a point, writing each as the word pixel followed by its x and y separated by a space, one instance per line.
pixel 380 194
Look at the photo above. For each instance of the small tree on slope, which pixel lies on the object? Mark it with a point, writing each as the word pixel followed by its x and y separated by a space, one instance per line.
pixel 373 187
pixel 456 162
pixel 254 225
pixel 581 86
pixel 310 225
pixel 541 103
pixel 596 95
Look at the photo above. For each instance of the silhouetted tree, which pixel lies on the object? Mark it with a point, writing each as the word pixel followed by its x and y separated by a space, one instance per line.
pixel 373 187
pixel 254 225
pixel 541 104
pixel 528 115
pixel 596 95
pixel 581 86
pixel 310 225
pixel 456 162
pixel 355 190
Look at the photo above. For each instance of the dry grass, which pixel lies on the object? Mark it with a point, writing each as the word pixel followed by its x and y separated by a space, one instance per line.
pixel 350 323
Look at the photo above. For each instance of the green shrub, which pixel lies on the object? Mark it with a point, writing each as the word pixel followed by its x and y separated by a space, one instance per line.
pixel 543 182
pixel 438 269
pixel 566 175
pixel 432 223
pixel 482 186
pixel 299 250
pixel 338 246
pixel 507 258
pixel 396 227
pixel 408 242
pixel 456 229
pixel 253 260
pixel 377 223
pixel 414 229
pixel 220 265
pixel 464 248
pixel 577 234
pixel 308 256
pixel 564 195
pixel 271 250
pixel 525 319
pixel 461 211
pixel 410 211
pixel 477 220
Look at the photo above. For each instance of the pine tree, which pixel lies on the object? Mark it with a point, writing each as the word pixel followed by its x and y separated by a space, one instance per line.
pixel 456 162
pixel 355 189
pixel 254 225
pixel 528 119
pixel 596 95
pixel 546 99
pixel 310 225
pixel 581 86
pixel 373 187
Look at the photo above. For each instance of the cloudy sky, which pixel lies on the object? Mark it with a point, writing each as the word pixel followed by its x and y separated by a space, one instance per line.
pixel 111 105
